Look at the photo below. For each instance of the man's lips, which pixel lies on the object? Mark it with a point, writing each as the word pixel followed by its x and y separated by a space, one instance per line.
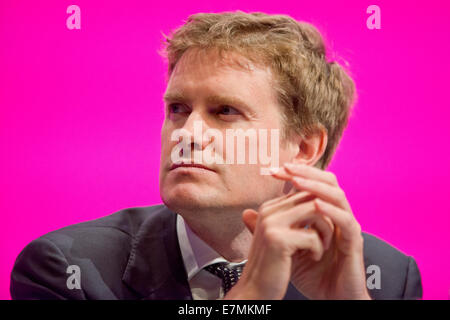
pixel 189 165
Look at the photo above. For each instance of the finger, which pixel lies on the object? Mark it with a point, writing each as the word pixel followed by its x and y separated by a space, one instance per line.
pixel 278 199
pixel 302 239
pixel 322 224
pixel 281 173
pixel 250 216
pixel 289 170
pixel 310 172
pixel 326 192
pixel 302 215
pixel 286 203
pixel 299 215
pixel 350 228
pixel 325 227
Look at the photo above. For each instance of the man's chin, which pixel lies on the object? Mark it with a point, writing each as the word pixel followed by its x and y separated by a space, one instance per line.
pixel 188 198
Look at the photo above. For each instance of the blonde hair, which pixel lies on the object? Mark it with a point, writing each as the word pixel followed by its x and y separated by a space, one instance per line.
pixel 313 91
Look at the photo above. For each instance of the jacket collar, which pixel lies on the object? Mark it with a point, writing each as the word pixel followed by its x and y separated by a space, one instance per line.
pixel 155 267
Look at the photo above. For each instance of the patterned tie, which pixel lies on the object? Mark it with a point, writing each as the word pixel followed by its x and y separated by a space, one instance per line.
pixel 229 275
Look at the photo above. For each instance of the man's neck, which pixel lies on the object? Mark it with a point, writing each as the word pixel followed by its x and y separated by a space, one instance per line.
pixel 227 236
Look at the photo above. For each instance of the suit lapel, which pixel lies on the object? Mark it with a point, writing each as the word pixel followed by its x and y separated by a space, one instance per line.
pixel 155 268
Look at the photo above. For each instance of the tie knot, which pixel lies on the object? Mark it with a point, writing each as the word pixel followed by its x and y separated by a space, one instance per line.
pixel 229 274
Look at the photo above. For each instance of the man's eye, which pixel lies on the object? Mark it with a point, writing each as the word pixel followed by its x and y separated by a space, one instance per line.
pixel 227 110
pixel 177 108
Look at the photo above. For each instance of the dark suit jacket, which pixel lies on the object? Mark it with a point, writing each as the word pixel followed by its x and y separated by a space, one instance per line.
pixel 134 254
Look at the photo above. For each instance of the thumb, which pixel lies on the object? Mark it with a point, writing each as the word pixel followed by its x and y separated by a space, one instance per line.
pixel 250 216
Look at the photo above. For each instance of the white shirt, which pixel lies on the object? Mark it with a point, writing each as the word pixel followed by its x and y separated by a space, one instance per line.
pixel 197 255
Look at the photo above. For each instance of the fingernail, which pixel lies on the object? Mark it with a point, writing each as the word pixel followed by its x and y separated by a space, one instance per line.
pixel 319 202
pixel 274 170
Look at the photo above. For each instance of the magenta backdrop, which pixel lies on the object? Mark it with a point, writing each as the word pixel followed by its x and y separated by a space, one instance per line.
pixel 81 111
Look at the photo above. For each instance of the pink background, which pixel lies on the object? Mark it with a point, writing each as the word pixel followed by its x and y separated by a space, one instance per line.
pixel 81 111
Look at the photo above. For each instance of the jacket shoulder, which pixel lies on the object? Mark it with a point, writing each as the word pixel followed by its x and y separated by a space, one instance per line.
pixel 100 247
pixel 126 221
pixel 399 276
pixel 376 248
pixel 106 234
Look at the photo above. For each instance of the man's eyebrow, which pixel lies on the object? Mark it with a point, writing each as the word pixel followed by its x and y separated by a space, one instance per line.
pixel 173 96
pixel 229 101
pixel 213 99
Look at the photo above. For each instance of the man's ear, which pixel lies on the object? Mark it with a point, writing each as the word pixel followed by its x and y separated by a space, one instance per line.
pixel 311 147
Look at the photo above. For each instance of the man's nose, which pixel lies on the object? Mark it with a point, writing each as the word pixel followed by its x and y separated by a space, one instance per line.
pixel 195 126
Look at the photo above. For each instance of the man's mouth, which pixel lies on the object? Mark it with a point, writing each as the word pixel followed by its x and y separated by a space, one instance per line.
pixel 189 165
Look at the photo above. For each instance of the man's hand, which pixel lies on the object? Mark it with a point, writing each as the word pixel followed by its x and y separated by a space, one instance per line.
pixel 323 260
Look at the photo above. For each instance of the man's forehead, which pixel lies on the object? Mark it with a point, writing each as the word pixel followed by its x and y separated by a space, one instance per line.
pixel 228 73
pixel 218 59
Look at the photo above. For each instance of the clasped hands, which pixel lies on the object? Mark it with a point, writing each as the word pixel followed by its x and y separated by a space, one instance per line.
pixel 323 261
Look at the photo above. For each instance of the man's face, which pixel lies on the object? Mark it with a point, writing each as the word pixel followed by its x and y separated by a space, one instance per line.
pixel 220 95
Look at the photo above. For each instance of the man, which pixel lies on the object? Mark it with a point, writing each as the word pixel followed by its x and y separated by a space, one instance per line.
pixel 226 230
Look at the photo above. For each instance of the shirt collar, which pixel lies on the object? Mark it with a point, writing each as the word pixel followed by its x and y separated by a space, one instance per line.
pixel 195 252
